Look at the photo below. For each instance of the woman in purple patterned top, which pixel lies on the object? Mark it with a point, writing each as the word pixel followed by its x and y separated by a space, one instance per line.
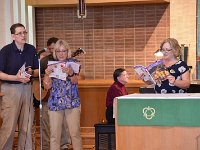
pixel 64 100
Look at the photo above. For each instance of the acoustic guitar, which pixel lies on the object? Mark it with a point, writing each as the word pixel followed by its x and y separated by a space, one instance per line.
pixel 45 93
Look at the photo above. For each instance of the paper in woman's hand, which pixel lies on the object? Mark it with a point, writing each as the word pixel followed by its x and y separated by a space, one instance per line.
pixel 148 72
pixel 75 66
pixel 142 71
pixel 57 68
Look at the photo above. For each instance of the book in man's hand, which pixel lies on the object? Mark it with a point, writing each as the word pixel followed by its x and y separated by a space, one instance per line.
pixel 148 72
pixel 57 68
pixel 23 72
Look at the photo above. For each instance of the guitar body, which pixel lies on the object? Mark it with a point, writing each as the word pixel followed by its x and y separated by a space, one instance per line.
pixel 36 91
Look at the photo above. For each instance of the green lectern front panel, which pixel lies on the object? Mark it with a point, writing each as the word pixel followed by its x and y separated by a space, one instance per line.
pixel 158 112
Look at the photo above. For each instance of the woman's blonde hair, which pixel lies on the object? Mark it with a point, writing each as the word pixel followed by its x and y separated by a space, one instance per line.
pixel 58 44
pixel 176 49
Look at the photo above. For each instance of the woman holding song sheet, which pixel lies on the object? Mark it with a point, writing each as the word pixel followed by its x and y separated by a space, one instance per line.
pixel 64 100
pixel 172 75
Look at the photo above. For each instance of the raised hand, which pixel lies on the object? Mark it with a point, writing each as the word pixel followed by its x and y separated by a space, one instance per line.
pixel 67 70
pixel 49 69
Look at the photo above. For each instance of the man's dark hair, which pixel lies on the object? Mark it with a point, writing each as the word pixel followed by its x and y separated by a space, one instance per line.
pixel 51 40
pixel 117 73
pixel 14 26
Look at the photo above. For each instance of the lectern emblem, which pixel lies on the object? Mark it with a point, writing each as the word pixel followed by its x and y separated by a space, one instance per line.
pixel 148 112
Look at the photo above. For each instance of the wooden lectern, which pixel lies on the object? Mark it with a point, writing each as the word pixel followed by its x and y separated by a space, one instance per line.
pixel 158 122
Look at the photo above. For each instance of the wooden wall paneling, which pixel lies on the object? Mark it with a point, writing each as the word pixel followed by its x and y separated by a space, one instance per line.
pixel 93 105
pixel 112 36
pixel 93 99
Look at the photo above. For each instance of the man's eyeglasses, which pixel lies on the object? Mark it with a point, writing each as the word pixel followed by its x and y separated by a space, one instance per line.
pixel 22 33
pixel 166 50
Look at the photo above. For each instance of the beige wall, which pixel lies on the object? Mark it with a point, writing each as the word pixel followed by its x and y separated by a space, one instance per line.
pixel 183 27
pixel 6 18
pixel 12 11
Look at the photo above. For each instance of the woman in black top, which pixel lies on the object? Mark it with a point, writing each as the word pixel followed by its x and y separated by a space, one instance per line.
pixel 178 79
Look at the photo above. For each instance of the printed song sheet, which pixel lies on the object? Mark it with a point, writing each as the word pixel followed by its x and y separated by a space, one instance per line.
pixel 57 69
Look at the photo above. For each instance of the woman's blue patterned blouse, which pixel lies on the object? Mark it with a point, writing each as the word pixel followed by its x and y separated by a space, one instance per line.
pixel 63 95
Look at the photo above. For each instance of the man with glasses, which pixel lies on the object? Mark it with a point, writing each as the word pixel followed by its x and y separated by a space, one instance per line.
pixel 17 102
